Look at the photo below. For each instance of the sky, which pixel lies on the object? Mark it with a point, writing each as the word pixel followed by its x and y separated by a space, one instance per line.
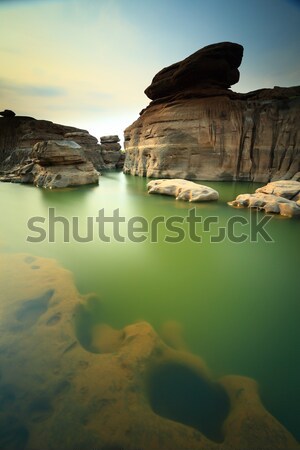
pixel 86 63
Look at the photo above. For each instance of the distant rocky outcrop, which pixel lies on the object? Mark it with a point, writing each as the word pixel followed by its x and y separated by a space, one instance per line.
pixel 55 164
pixel 197 128
pixel 278 197
pixel 111 152
pixel 183 190
pixel 7 113
pixel 19 134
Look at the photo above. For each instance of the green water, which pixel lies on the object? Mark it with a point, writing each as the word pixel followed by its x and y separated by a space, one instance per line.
pixel 238 303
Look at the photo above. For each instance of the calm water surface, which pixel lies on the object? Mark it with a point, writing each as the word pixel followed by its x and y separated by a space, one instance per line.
pixel 238 303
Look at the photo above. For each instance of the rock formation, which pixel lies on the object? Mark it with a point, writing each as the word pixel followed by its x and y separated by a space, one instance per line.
pixel 60 390
pixel 197 128
pixel 183 190
pixel 111 152
pixel 55 164
pixel 18 135
pixel 278 197
pixel 7 113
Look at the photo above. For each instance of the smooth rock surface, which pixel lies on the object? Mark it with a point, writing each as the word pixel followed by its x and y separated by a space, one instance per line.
pixel 200 130
pixel 183 190
pixel 60 395
pixel 279 197
pixel 289 189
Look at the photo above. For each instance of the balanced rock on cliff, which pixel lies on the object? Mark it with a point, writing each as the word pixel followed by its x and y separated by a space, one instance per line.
pixel 198 129
pixel 212 66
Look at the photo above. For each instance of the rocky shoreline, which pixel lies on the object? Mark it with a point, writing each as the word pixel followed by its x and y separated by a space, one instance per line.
pixel 18 163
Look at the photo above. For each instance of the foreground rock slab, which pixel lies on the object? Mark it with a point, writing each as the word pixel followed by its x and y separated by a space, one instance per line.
pixel 278 197
pixel 60 391
pixel 183 190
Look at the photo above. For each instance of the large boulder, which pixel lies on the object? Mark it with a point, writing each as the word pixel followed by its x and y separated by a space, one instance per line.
pixel 183 190
pixel 198 129
pixel 55 164
pixel 279 197
pixel 212 66
pixel 19 134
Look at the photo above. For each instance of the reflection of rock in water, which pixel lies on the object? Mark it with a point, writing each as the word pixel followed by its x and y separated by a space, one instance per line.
pixel 54 394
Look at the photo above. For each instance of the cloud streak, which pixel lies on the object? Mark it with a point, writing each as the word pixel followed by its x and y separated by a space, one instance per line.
pixel 32 90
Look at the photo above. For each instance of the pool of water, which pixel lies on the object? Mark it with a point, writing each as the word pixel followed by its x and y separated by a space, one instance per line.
pixel 236 302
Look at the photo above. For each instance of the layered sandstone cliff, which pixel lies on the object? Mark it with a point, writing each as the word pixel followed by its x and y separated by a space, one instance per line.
pixel 19 134
pixel 197 128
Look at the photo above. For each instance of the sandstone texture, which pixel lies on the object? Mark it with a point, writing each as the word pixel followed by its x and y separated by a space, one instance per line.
pixel 60 390
pixel 197 128
pixel 18 135
pixel 55 164
pixel 278 197
pixel 111 152
pixel 183 190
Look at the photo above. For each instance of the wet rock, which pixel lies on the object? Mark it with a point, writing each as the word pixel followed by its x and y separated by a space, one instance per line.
pixel 183 190
pixel 78 399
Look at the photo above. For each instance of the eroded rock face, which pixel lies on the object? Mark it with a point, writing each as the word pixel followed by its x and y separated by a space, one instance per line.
pixel 56 394
pixel 279 197
pixel 198 129
pixel 18 135
pixel 213 66
pixel 111 152
pixel 55 164
pixel 183 190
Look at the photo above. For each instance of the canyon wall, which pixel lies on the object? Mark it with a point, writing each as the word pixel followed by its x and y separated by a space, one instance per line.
pixel 197 128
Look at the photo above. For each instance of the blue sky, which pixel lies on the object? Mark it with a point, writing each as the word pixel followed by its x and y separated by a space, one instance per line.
pixel 86 63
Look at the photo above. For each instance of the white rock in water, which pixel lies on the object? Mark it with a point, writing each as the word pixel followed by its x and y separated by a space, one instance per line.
pixel 183 190
pixel 278 197
pixel 283 188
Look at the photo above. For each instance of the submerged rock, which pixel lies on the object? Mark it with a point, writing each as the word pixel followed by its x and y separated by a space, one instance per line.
pixel 197 128
pixel 278 197
pixel 183 190
pixel 57 394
